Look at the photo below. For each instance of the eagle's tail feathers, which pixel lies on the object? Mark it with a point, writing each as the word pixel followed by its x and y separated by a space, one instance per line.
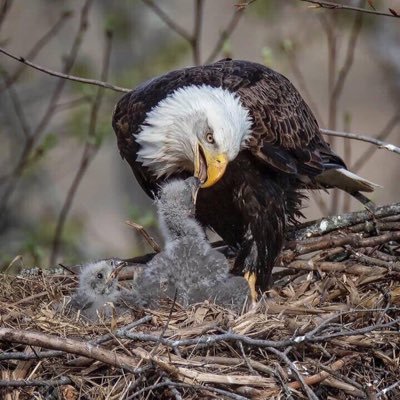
pixel 346 180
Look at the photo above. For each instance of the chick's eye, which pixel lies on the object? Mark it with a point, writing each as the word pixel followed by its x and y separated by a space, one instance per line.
pixel 100 275
pixel 210 138
pixel 112 263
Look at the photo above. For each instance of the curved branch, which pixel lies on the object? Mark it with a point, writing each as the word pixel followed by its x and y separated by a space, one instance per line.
pixel 363 138
pixel 73 78
pixel 335 6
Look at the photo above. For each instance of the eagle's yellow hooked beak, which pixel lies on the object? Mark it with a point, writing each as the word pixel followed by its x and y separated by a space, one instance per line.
pixel 209 167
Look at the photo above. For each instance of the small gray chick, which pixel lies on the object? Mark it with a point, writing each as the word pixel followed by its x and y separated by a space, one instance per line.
pixel 188 266
pixel 98 285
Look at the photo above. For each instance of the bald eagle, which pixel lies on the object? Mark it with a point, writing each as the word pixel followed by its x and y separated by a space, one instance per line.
pixel 248 135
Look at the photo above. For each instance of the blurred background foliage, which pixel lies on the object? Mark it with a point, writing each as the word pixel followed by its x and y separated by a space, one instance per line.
pixel 308 45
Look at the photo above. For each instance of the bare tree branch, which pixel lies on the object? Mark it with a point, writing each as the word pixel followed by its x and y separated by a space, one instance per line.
pixel 168 20
pixel 37 47
pixel 68 77
pixel 5 7
pixel 386 131
pixel 38 131
pixel 196 37
pixel 335 6
pixel 19 111
pixel 89 152
pixel 363 138
pixel 226 33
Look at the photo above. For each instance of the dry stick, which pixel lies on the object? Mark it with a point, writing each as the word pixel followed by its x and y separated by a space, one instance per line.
pixel 389 265
pixel 329 241
pixel 256 365
pixel 386 131
pixel 35 136
pixel 344 378
pixel 210 340
pixel 327 225
pixel 51 33
pixel 225 393
pixel 225 34
pixel 149 239
pixel 335 6
pixel 79 362
pixel 89 152
pixel 67 345
pixel 388 389
pixel 310 393
pixel 317 378
pixel 37 382
pixel 363 138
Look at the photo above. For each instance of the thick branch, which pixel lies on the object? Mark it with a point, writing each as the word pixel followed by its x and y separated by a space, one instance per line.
pixel 69 346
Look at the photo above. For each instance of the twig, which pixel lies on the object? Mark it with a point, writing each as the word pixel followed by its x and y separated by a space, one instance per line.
pixel 335 6
pixel 363 138
pixel 329 241
pixel 388 389
pixel 79 362
pixel 196 36
pixel 285 358
pixel 386 131
pixel 19 111
pixel 344 71
pixel 168 21
pixel 319 377
pixel 4 10
pixel 389 265
pixel 172 388
pixel 210 340
pixel 50 34
pixel 62 75
pixel 149 239
pixel 38 131
pixel 64 380
pixel 89 152
pixel 226 33
pixel 161 385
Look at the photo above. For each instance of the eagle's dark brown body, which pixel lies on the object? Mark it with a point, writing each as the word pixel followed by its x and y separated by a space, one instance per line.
pixel 258 196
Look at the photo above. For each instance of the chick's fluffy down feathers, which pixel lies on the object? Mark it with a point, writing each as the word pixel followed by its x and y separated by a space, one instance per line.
pixel 188 267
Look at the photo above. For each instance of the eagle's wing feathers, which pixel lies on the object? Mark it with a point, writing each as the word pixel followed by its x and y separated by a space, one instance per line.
pixel 285 133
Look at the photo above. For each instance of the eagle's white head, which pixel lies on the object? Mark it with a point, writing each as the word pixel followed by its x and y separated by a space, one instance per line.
pixel 199 129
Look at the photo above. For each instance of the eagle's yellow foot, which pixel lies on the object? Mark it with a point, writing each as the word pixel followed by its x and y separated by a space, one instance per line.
pixel 251 280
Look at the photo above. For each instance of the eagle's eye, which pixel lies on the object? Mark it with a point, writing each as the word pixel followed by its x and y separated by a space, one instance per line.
pixel 100 275
pixel 210 138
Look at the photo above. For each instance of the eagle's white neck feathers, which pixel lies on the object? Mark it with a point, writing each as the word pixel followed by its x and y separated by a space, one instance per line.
pixel 170 133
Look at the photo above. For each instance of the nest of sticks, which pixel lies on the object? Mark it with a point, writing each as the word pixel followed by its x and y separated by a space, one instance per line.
pixel 329 329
